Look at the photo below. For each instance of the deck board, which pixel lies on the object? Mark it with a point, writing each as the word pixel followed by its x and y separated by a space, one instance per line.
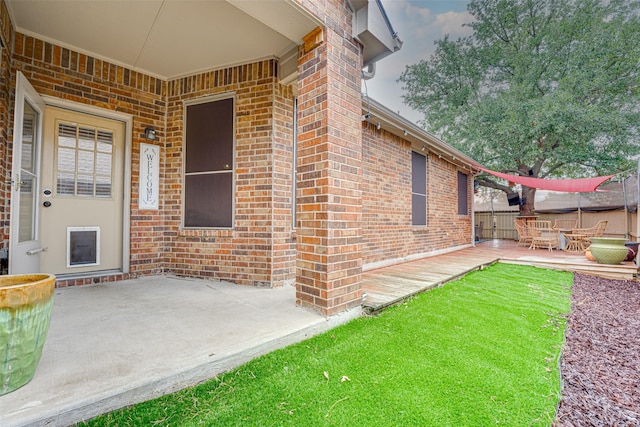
pixel 389 285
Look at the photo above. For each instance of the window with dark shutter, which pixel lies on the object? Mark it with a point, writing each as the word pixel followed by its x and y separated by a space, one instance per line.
pixel 463 194
pixel 418 189
pixel 208 164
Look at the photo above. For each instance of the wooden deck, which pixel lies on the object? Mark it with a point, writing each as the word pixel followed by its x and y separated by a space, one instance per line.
pixel 389 285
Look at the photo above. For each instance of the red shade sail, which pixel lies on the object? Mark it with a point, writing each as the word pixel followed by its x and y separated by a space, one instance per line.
pixel 579 185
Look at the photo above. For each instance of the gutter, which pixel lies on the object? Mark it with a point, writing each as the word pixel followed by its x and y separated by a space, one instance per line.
pixel 373 30
pixel 387 21
pixel 383 118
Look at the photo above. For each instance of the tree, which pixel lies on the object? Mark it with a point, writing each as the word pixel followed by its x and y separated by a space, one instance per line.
pixel 542 88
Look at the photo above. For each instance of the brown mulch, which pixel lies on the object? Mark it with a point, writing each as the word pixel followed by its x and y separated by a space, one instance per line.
pixel 601 357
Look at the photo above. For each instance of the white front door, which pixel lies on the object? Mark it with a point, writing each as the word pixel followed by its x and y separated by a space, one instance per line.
pixel 82 193
pixel 25 247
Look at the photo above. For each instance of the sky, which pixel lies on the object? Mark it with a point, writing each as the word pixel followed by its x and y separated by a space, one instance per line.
pixel 419 23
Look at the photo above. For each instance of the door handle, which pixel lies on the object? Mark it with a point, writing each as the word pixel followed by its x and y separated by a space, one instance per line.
pixel 14 182
pixel 36 251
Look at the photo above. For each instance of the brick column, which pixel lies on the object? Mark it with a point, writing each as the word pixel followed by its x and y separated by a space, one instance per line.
pixel 329 230
pixel 7 35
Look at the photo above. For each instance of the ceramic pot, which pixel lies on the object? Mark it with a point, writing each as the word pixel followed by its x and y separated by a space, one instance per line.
pixel 633 250
pixel 608 250
pixel 25 313
pixel 587 254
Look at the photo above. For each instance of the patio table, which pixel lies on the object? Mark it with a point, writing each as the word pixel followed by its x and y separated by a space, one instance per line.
pixel 575 242
pixel 563 239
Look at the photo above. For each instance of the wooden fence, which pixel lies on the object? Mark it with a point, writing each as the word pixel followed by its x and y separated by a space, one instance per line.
pixel 500 225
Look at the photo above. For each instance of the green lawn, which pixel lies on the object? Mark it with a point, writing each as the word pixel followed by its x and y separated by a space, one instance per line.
pixel 480 351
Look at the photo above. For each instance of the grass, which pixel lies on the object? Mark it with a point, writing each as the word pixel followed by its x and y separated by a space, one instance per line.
pixel 480 351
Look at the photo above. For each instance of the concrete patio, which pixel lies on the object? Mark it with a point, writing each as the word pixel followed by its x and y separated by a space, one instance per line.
pixel 115 344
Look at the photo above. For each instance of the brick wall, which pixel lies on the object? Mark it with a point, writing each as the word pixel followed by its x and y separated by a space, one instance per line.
pixel 329 262
pixel 258 250
pixel 69 75
pixel 284 243
pixel 6 34
pixel 354 186
pixel 260 245
pixel 387 230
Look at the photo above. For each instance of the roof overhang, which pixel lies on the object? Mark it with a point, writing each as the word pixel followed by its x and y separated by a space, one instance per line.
pixel 372 27
pixel 167 38
pixel 421 140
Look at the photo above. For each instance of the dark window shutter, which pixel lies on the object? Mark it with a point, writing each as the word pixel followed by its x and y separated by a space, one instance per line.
pixel 463 194
pixel 418 189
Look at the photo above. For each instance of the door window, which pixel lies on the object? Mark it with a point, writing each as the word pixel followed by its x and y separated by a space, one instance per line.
pixel 27 184
pixel 84 161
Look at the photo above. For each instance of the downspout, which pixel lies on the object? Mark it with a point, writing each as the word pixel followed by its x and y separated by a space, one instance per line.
pixel 473 217
pixel 473 207
pixel 638 202
pixel 369 72
pixel 626 209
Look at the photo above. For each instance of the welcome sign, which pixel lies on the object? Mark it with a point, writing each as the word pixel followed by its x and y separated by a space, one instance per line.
pixel 149 176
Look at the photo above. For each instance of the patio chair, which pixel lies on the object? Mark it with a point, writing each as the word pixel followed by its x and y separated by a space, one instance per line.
pixel 543 235
pixel 523 233
pixel 565 224
pixel 601 226
pixel 595 231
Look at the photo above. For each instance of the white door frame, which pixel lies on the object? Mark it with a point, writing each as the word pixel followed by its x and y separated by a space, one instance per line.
pixel 128 144
pixel 18 263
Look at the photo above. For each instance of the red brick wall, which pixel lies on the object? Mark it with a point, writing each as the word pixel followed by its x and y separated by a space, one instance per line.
pixel 354 189
pixel 259 250
pixel 6 34
pixel 387 232
pixel 329 262
pixel 69 75
pixel 255 251
pixel 263 153
pixel 284 243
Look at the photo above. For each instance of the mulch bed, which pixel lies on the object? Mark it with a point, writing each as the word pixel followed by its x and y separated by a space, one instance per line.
pixel 601 358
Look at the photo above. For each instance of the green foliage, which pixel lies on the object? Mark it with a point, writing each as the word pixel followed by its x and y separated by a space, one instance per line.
pixel 480 351
pixel 550 86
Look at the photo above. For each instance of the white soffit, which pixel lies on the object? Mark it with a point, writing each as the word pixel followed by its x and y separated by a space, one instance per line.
pixel 166 38
pixel 114 29
pixel 285 17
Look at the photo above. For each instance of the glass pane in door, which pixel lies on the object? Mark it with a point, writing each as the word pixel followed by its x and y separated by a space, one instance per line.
pixel 27 180
pixel 84 161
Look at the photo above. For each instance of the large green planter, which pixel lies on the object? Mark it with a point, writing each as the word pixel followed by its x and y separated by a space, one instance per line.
pixel 608 250
pixel 25 313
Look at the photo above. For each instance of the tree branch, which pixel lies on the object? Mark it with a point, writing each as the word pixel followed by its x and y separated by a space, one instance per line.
pixel 486 182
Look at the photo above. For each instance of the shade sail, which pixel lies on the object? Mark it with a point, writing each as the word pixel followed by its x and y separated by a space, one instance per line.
pixel 578 185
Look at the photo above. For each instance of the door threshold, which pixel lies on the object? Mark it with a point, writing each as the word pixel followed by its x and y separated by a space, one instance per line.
pixel 89 275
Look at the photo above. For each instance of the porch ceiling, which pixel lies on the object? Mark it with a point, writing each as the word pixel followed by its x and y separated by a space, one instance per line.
pixel 167 38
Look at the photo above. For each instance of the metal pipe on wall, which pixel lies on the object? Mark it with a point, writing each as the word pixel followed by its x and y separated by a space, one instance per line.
pixel 638 202
pixel 626 209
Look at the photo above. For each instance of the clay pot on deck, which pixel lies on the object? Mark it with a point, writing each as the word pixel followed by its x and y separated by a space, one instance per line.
pixel 633 250
pixel 608 250
pixel 25 313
